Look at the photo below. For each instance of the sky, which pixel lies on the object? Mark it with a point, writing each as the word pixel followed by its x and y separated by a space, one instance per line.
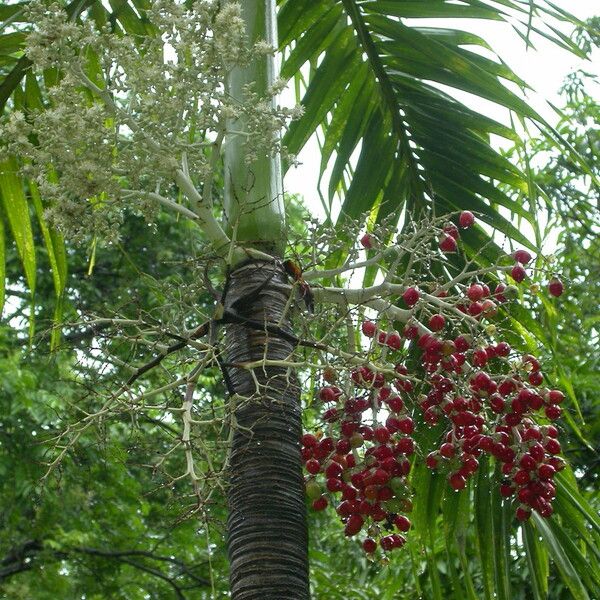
pixel 544 69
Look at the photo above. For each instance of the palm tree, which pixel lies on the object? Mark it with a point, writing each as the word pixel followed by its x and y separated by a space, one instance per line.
pixel 370 78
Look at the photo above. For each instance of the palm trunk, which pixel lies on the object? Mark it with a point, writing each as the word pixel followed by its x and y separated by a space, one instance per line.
pixel 267 529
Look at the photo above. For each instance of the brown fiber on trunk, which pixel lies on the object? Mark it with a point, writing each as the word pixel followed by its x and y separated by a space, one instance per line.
pixel 267 530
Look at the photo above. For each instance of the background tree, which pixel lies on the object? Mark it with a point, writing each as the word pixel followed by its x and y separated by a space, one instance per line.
pixel 410 174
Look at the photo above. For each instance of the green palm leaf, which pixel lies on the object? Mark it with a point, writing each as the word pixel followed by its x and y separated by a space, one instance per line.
pixel 420 145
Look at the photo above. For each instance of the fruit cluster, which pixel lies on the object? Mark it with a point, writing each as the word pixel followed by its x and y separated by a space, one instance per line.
pixel 463 378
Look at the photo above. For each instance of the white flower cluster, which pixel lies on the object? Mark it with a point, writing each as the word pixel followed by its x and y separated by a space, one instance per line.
pixel 127 111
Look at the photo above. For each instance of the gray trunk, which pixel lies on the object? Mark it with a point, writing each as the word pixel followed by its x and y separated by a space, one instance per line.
pixel 267 531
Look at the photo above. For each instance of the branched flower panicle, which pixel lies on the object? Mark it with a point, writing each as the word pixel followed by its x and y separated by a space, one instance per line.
pixel 124 113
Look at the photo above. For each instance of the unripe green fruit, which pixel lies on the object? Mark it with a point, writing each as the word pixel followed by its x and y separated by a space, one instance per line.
pixel 356 440
pixel 313 489
pixel 511 292
pixel 397 484
pixel 393 506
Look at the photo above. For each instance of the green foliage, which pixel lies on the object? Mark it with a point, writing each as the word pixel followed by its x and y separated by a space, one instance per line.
pixel 373 81
pixel 105 498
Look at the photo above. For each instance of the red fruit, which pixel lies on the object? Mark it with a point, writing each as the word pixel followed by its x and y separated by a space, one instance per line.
pixel 369 545
pixel 358 480
pixel 466 219
pixel 425 341
pixel 378 382
pixel 502 349
pixel 371 492
pixel 475 308
pixel 348 428
pixel 528 462
pixel 334 469
pixel 406 425
pixel 366 432
pixel 451 230
pixel 395 404
pixel 532 434
pixel 378 513
pixel 521 477
pixel 384 393
pixel 462 344
pixel 482 380
pixel 553 446
pixel 480 358
pixel 331 415
pixel 498 292
pixel 524 495
pixel 553 412
pixel 556 287
pixel 381 477
pixel 485 443
pixel 475 292
pixel 533 361
pixel 405 446
pixel 402 523
pixel 431 416
pixel 309 440
pixel 448 244
pixel 394 341
pixel 522 256
pixel 432 460
pixel 369 328
pixel 518 273
pixel 320 503
pixel 334 485
pixel 324 448
pixel 457 481
pixel 392 424
pixel 329 394
pixel 489 308
pixel 506 490
pixel 306 453
pixel 353 525
pixel 343 446
pixel 537 452
pixel 313 466
pixel 411 296
pixel 382 435
pixel 506 387
pixel 367 241
pixel 387 543
pixel 385 493
pixel 437 322
pixel 410 332
pixel 544 508
pixel 555 396
pixel 470 465
pixel 447 450
pixel 536 378
pixel 523 513
pixel 546 472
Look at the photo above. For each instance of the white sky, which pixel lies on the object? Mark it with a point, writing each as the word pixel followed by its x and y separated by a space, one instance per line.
pixel 544 69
